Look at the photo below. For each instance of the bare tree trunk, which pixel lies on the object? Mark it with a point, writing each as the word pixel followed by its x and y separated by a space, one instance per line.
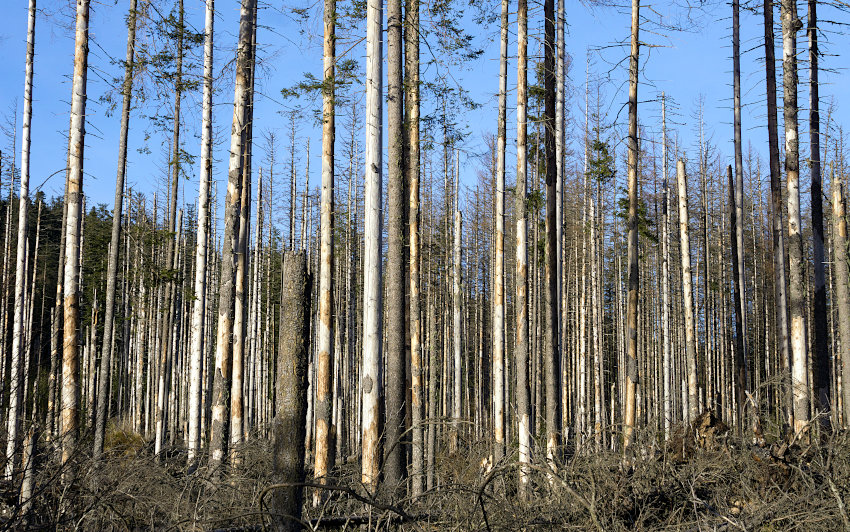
pixel 325 429
pixel 738 261
pixel 797 291
pixel 417 366
pixel 631 369
pixel 521 302
pixel 499 262
pixel 842 286
pixel 820 357
pixel 17 378
pixel 372 296
pixel 288 428
pixel 394 467
pixel 553 343
pixel 457 391
pixel 665 279
pixel 224 346
pixel 776 207
pixel 106 352
pixel 202 244
pixel 74 195
pixel 740 332
pixel 687 294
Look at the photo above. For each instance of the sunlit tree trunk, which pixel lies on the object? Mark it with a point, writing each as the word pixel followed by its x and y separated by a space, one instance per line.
pixel 796 267
pixel 372 297
pixel 74 197
pixel 842 286
pixel 17 378
pixel 687 294
pixel 202 244
pixel 325 431
pixel 224 345
pixel 521 302
pixel 631 369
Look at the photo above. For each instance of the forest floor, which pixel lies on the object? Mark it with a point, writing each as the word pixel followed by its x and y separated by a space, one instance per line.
pixel 703 479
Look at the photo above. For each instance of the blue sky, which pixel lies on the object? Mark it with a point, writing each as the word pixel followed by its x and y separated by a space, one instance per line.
pixel 686 64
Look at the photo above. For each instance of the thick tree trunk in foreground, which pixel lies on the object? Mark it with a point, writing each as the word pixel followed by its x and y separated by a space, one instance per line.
pixel 372 297
pixel 740 331
pixel 631 369
pixel 417 366
pixel 523 398
pixel 325 432
pixel 796 257
pixel 224 346
pixel 73 236
pixel 552 346
pixel 288 429
pixel 395 461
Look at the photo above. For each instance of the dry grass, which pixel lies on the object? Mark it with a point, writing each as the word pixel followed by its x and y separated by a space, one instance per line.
pixel 727 485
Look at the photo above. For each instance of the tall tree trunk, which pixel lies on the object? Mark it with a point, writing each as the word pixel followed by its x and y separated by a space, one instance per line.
pixel 202 244
pixel 394 467
pixel 457 377
pixel 820 357
pixel 325 430
pixel 687 294
pixel 778 231
pixel 17 379
pixel 288 429
pixel 553 343
pixel 842 286
pixel 417 366
pixel 74 197
pixel 797 289
pixel 665 279
pixel 106 351
pixel 499 262
pixel 372 296
pixel 631 369
pixel 224 346
pixel 740 331
pixel 738 262
pixel 521 302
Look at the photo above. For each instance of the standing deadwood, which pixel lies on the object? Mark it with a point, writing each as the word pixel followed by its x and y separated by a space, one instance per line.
pixel 521 305
pixel 738 263
pixel 288 429
pixel 687 295
pixel 820 357
pixel 325 432
pixel 417 367
pixel 776 207
pixel 740 331
pixel 560 151
pixel 552 344
pixel 457 377
pixel 202 238
pixel 74 197
pixel 499 262
pixel 796 267
pixel 665 278
pixel 394 467
pixel 224 346
pixel 842 286
pixel 372 296
pixel 115 239
pixel 17 379
pixel 631 369
pixel 166 347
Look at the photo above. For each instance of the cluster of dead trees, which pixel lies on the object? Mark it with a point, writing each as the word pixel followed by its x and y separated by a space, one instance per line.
pixel 560 315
